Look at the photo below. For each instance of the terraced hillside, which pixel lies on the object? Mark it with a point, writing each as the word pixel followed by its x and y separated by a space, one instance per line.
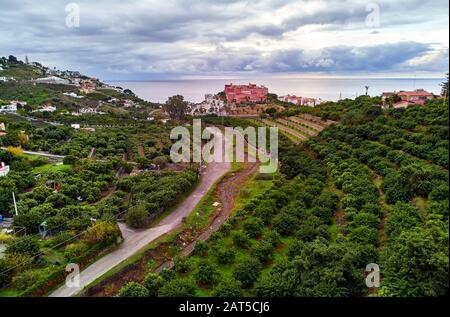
pixel 298 128
pixel 350 196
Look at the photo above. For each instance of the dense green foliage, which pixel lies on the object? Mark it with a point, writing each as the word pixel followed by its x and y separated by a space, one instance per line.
pixel 372 189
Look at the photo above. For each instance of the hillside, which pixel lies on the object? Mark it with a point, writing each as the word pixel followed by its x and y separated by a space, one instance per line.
pixel 37 87
pixel 371 189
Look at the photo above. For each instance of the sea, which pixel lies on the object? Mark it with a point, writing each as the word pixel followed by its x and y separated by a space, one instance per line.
pixel 330 89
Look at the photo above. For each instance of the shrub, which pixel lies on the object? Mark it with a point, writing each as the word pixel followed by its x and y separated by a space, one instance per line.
pixel 253 227
pixel 5 276
pixel 103 233
pixel 200 248
pixel 70 160
pixel 247 271
pixel 241 240
pixel 273 237
pixel 224 255
pixel 225 228
pixel 168 274
pixel 153 282
pixel 24 245
pixel 179 287
pixel 206 273
pixel 18 262
pixel 365 219
pixel 364 235
pixel 182 264
pixel 26 279
pixel 245 192
pixel 137 217
pixel 262 251
pixel 61 239
pixel 133 289
pixel 285 224
pixel 75 250
pixel 228 288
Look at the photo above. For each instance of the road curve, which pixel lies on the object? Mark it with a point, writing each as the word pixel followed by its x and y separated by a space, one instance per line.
pixel 135 240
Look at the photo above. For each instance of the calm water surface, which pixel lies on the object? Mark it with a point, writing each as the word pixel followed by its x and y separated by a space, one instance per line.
pixel 327 89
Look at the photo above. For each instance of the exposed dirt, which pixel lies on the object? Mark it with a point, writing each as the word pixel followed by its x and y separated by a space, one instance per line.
pixel 227 192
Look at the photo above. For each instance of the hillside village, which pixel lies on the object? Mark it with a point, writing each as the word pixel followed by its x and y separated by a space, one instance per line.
pixel 86 171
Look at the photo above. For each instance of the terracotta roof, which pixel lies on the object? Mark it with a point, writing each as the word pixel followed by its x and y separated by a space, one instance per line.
pixel 415 93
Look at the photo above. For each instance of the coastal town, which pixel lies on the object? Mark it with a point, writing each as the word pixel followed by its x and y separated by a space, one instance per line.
pixel 78 154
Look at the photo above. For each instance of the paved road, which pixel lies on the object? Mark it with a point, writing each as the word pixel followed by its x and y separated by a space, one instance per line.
pixel 135 240
pixel 41 154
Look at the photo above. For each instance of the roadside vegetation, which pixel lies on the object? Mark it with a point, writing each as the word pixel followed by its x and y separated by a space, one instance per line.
pixel 383 172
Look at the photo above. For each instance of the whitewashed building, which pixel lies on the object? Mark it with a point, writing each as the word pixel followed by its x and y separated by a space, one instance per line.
pixel 211 105
pixel 4 169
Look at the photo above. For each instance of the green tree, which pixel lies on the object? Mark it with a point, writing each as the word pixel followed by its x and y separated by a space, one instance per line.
pixel 137 217
pixel 228 288
pixel 247 271
pixel 24 245
pixel 179 287
pixel 133 289
pixel 206 273
pixel 416 263
pixel 176 107
pixel 153 282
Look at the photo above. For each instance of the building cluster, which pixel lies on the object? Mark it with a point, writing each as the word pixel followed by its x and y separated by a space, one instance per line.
pixel 404 99
pixel 12 106
pixel 46 108
pixel 87 111
pixel 126 103
pixel 73 95
pixel 211 105
pixel 5 78
pixel 251 93
pixel 301 101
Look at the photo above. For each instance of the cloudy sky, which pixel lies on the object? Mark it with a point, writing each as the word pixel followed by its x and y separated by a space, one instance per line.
pixel 170 39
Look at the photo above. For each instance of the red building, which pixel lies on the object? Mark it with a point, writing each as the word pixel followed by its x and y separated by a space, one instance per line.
pixel 407 98
pixel 245 93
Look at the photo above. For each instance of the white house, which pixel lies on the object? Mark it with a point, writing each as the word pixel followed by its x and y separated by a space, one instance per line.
pixel 4 78
pixel 4 169
pixel 73 95
pixel 47 108
pixel 91 111
pixel 11 108
pixel 2 127
pixel 52 80
pixel 75 125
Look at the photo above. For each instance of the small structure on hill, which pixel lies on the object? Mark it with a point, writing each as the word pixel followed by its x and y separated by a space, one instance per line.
pixel 4 169
pixel 403 99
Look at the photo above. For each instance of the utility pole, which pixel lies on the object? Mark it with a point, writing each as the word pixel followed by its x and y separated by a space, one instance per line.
pixel 15 204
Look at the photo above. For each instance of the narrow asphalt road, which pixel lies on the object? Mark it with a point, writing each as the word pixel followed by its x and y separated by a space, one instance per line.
pixel 40 154
pixel 135 240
